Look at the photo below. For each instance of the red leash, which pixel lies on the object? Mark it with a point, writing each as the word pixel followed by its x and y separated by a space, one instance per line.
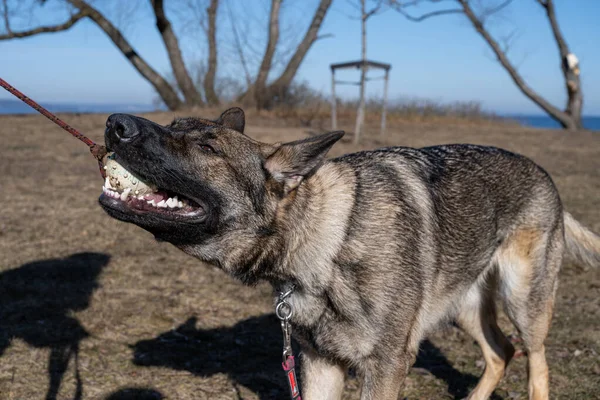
pixel 97 151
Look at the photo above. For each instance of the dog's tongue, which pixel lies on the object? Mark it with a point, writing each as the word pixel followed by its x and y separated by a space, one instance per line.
pixel 156 196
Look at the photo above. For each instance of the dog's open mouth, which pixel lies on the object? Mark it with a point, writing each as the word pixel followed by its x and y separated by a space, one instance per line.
pixel 125 191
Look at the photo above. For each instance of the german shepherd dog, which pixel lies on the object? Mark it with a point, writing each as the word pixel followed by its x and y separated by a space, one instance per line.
pixel 382 246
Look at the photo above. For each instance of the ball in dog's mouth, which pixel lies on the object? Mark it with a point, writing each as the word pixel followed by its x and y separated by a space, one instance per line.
pixel 121 180
pixel 128 189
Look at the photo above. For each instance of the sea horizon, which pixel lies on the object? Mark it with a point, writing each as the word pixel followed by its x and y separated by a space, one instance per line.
pixel 9 106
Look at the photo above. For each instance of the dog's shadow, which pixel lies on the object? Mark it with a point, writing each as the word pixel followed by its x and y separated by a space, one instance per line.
pixel 36 300
pixel 432 360
pixel 250 354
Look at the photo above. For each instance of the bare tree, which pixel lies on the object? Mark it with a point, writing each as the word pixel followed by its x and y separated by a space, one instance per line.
pixel 265 93
pixel 364 16
pixel 211 72
pixel 281 84
pixel 167 93
pixel 184 81
pixel 260 91
pixel 239 48
pixel 570 116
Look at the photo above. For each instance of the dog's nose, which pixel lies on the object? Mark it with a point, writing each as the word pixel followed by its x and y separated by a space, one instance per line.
pixel 122 126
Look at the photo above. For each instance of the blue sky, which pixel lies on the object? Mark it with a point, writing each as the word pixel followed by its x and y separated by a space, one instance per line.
pixel 441 58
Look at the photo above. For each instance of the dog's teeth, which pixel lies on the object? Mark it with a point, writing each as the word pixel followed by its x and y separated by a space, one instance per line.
pixel 125 194
pixel 172 203
pixel 162 204
pixel 107 183
pixel 104 168
pixel 152 203
pixel 180 204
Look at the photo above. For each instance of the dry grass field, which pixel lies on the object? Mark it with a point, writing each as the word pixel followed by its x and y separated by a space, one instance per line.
pixel 92 308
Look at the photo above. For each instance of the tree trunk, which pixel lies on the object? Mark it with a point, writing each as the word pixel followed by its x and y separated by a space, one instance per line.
pixel 360 115
pixel 570 69
pixel 209 78
pixel 185 83
pixel 280 86
pixel 260 89
pixel 165 91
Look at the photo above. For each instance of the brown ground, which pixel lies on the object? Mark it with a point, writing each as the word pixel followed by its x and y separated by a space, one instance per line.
pixel 130 318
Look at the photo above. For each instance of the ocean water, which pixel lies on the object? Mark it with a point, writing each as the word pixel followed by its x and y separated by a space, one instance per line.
pixel 543 121
pixel 18 107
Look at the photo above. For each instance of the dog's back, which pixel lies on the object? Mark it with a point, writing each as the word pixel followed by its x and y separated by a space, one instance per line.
pixel 459 204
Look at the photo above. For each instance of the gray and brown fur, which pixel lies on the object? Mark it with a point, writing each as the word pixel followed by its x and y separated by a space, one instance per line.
pixel 383 245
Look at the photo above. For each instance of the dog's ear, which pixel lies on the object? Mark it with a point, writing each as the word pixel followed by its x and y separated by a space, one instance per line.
pixel 292 162
pixel 233 118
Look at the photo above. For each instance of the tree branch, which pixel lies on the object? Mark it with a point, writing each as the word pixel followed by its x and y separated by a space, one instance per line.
pixel 5 15
pixel 310 37
pixel 45 29
pixel 324 36
pixel 238 46
pixel 400 7
pixel 184 81
pixel 265 65
pixel 499 7
pixel 560 41
pixel 165 91
pixel 505 62
pixel 373 11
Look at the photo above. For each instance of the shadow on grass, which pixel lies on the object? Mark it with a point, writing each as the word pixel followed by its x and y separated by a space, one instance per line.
pixel 35 302
pixel 136 394
pixel 430 358
pixel 250 354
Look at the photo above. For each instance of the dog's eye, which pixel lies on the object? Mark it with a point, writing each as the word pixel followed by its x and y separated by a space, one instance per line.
pixel 206 148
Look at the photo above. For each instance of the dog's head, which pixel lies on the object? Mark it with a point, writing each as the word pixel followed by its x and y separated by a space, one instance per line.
pixel 209 179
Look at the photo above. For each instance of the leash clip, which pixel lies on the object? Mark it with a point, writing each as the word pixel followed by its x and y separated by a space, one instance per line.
pixel 284 312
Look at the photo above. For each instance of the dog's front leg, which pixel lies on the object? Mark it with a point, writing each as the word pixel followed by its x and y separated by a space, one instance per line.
pixel 321 378
pixel 384 376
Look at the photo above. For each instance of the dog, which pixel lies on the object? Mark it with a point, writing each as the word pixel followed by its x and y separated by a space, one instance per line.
pixel 381 246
